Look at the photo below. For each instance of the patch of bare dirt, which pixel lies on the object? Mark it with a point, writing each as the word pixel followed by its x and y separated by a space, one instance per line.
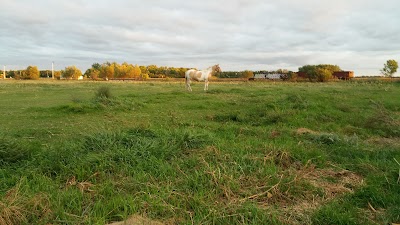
pixel 137 220
pixel 302 131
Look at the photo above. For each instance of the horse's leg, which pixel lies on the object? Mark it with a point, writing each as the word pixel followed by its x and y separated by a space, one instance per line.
pixel 206 85
pixel 188 84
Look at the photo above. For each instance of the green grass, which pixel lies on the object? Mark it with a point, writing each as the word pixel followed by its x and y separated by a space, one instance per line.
pixel 241 153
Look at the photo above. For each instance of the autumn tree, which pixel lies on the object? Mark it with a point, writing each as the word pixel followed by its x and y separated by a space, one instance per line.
pixel 107 70
pixel 390 68
pixel 247 74
pixel 31 72
pixel 92 73
pixel 321 72
pixel 57 74
pixel 71 72
pixel 136 71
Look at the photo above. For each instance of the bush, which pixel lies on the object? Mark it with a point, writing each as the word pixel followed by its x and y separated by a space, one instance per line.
pixel 323 74
pixel 31 72
pixel 103 92
pixel 71 72
pixel 145 76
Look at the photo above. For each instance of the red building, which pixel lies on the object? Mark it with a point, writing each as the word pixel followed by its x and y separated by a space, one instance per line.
pixel 344 75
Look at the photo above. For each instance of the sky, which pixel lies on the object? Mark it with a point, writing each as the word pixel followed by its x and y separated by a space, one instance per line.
pixel 357 35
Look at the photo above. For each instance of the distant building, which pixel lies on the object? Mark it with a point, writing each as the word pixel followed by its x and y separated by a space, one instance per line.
pixel 344 75
pixel 274 76
pixel 267 76
pixel 260 76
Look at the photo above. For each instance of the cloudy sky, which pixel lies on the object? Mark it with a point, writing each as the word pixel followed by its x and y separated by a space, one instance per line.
pixel 358 35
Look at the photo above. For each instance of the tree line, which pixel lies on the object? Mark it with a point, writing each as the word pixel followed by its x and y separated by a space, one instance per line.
pixel 113 70
pixel 108 70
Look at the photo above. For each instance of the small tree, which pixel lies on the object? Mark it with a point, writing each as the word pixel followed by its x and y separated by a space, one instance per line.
pixel 136 71
pixel 31 72
pixel 247 74
pixel 71 72
pixel 323 74
pixel 310 71
pixel 57 74
pixel 92 73
pixel 390 68
pixel 107 71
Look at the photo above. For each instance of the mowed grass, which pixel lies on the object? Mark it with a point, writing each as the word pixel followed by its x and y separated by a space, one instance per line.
pixel 241 153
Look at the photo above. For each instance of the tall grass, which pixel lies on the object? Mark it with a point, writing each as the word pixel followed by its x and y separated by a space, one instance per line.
pixel 254 153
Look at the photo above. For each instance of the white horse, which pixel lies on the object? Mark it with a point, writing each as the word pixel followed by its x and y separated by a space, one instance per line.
pixel 200 75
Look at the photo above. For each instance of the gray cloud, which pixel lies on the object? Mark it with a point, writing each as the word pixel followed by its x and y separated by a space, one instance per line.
pixel 357 35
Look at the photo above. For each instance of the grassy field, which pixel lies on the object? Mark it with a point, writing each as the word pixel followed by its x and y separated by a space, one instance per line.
pixel 242 153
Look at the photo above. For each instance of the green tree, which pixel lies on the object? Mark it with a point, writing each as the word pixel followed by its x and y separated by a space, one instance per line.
pixel 45 73
pixel 288 75
pixel 92 73
pixel 71 72
pixel 310 70
pixel 390 68
pixel 96 66
pixel 31 72
pixel 319 72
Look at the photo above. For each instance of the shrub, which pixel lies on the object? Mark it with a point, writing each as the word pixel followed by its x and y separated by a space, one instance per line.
pixel 31 72
pixel 71 72
pixel 323 74
pixel 103 92
pixel 145 76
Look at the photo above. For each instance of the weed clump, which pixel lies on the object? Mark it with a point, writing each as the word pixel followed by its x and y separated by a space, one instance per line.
pixel 383 123
pixel 297 101
pixel 11 152
pixel 103 92
pixel 194 141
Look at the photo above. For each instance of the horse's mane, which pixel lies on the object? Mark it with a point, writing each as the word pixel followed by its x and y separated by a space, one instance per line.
pixel 210 67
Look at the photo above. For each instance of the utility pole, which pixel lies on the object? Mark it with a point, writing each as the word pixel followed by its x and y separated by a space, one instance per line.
pixel 52 70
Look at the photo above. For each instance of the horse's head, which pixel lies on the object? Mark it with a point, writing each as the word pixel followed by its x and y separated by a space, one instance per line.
pixel 216 69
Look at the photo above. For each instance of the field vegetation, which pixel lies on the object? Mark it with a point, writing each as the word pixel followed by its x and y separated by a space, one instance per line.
pixel 242 153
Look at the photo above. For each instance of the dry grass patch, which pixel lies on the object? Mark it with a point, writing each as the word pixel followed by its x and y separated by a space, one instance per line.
pixel 138 220
pixel 17 208
pixel 83 186
pixel 302 131
pixel 382 141
pixel 12 208
pixel 333 184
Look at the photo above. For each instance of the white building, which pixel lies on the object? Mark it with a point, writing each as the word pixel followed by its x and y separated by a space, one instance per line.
pixel 267 76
